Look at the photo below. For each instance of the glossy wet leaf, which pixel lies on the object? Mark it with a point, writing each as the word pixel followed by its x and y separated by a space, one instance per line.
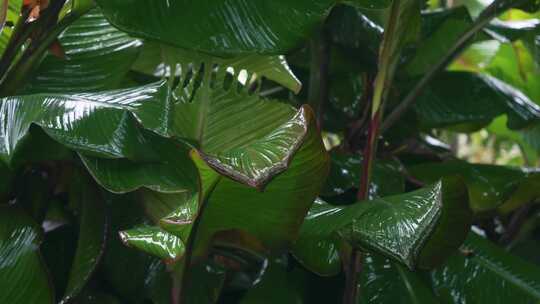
pixel 285 199
pixel 158 60
pixel 384 281
pixel 232 27
pixel 172 173
pixel 488 185
pixel 319 255
pixel 239 134
pixel 128 121
pixel 355 29
pixel 486 273
pixel 417 229
pixel 478 102
pixel 91 238
pixel 154 241
pixel 23 275
pixel 71 120
pixel 98 56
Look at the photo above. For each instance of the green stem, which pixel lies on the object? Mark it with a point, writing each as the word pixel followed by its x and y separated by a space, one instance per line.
pixel 487 15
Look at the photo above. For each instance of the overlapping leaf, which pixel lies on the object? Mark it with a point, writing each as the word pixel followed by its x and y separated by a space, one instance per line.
pixel 488 185
pixel 92 234
pixel 417 229
pixel 475 105
pixel 121 124
pixel 158 60
pixel 384 281
pixel 98 56
pixel 23 276
pixel 285 199
pixel 484 272
pixel 239 134
pixel 217 27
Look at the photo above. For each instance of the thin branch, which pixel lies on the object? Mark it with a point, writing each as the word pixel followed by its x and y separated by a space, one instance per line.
pixel 487 15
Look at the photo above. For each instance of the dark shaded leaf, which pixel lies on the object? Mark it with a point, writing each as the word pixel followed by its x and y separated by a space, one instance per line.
pixel 23 275
pixel 486 273
pixel 91 238
pixel 417 229
pixel 232 27
pixel 479 100
pixel 384 281
pixel 488 185
pixel 98 56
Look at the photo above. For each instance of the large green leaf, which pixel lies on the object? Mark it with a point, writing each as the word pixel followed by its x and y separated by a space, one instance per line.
pixel 98 56
pixel 72 120
pixel 239 134
pixel 442 36
pixel 510 64
pixel 479 100
pixel 23 276
pixel 129 121
pixel 488 185
pixel 282 204
pixel 384 281
pixel 418 229
pixel 172 173
pixel 92 234
pixel 230 27
pixel 485 273
pixel 158 60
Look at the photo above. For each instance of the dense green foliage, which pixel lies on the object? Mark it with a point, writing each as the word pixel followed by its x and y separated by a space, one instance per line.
pixel 269 151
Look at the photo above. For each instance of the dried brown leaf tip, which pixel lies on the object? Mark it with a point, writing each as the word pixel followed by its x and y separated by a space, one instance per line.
pixel 35 6
pixel 57 49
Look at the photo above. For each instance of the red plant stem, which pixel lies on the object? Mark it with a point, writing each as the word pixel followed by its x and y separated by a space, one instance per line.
pixel 369 153
pixel 355 260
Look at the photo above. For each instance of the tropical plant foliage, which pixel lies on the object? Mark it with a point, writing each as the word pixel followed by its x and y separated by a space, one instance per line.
pixel 269 151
